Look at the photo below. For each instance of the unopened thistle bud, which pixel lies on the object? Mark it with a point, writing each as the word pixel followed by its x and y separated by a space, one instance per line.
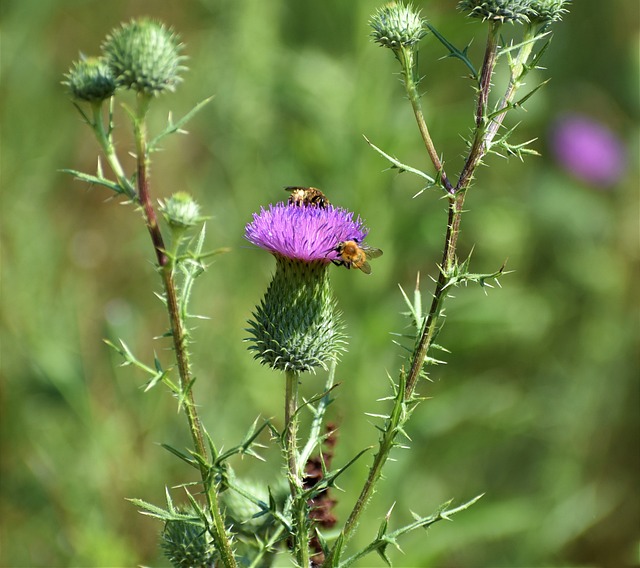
pixel 396 24
pixel 90 79
pixel 297 327
pixel 547 11
pixel 181 211
pixel 186 544
pixel 144 56
pixel 514 11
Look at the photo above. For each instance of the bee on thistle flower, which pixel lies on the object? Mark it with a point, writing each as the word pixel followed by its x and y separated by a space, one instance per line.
pixel 307 197
pixel 296 326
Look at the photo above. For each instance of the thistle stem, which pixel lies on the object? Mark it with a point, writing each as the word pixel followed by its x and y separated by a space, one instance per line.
pixel 106 143
pixel 456 197
pixel 179 335
pixel 406 56
pixel 480 144
pixel 315 440
pixel 294 471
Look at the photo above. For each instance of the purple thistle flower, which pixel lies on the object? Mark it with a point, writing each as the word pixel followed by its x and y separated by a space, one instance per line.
pixel 588 150
pixel 304 233
pixel 297 327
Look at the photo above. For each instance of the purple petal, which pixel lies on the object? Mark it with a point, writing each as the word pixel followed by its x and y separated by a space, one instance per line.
pixel 304 233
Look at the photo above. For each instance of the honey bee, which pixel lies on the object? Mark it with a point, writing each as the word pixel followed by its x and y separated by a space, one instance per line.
pixel 352 255
pixel 307 197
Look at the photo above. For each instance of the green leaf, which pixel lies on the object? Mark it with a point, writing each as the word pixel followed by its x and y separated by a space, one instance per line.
pixel 173 127
pixel 184 457
pixel 95 180
pixel 402 167
pixel 455 52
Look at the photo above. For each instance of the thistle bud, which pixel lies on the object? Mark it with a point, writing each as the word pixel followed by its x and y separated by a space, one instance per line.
pixel 144 56
pixel 186 544
pixel 547 11
pixel 514 11
pixel 397 24
pixel 90 79
pixel 297 327
pixel 180 211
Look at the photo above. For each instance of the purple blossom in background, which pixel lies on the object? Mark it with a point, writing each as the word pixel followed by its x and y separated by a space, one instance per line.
pixel 588 149
pixel 304 233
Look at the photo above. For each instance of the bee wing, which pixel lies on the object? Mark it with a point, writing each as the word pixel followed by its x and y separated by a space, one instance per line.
pixel 371 252
pixel 366 268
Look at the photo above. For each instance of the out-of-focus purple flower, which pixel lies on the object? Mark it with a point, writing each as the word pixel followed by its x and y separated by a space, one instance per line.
pixel 304 233
pixel 588 149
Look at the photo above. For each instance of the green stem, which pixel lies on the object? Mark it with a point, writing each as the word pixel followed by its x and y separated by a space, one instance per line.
pixel 106 143
pixel 294 471
pixel 315 432
pixel 456 202
pixel 179 335
pixel 406 56
pixel 518 71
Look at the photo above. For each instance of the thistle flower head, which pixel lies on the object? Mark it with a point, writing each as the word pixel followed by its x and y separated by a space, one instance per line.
pixel 304 233
pixel 144 56
pixel 297 327
pixel 90 79
pixel 514 11
pixel 181 210
pixel 547 11
pixel 187 543
pixel 397 24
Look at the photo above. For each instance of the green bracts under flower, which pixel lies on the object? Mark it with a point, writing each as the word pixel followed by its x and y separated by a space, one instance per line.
pixel 91 80
pixel 187 544
pixel 145 56
pixel 297 327
pixel 397 24
pixel 515 11
pixel 181 210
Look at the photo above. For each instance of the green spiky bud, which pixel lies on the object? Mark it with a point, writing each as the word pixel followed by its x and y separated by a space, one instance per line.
pixel 145 56
pixel 90 79
pixel 186 544
pixel 547 11
pixel 181 211
pixel 397 24
pixel 296 327
pixel 514 11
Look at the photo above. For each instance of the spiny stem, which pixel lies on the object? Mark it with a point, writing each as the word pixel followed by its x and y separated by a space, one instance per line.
pixel 179 335
pixel 106 143
pixel 294 467
pixel 518 70
pixel 316 425
pixel 407 59
pixel 456 202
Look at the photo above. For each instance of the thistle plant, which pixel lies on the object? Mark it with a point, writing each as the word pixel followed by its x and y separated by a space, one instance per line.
pixel 297 329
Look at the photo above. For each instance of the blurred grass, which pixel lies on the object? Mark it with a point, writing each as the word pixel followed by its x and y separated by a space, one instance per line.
pixel 538 404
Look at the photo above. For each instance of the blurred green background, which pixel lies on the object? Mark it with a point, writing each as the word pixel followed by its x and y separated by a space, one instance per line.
pixel 538 406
